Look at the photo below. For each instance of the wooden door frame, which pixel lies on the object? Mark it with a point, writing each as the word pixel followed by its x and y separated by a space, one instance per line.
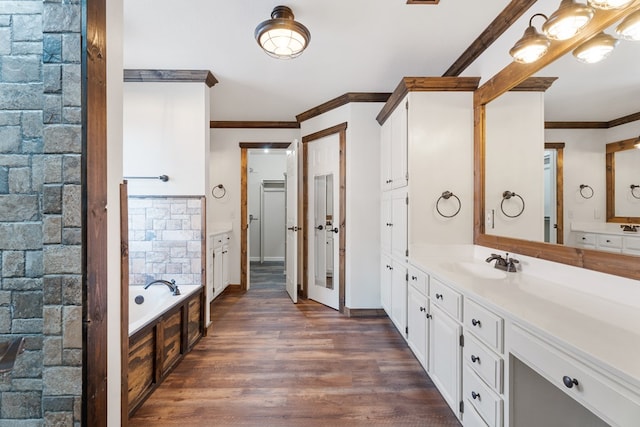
pixel 244 225
pixel 559 147
pixel 340 129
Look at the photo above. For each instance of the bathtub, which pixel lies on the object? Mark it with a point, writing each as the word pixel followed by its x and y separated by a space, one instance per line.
pixel 157 300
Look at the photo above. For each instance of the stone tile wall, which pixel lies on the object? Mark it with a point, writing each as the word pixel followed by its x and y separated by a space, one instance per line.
pixel 40 210
pixel 165 239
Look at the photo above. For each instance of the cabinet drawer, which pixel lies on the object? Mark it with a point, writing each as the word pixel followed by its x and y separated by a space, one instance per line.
pixel 446 298
pixel 482 398
pixel 471 418
pixel 217 240
pixel 586 239
pixel 632 243
pixel 484 362
pixel 606 241
pixel 610 401
pixel 484 324
pixel 419 280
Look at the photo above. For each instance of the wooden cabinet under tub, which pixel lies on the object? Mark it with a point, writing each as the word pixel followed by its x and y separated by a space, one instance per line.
pixel 158 347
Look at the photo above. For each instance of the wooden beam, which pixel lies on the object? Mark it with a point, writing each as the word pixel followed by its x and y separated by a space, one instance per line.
pixel 496 28
pixel 264 145
pixel 534 84
pixel 624 120
pixel 252 124
pixel 342 100
pixel 423 1
pixel 593 125
pixel 188 76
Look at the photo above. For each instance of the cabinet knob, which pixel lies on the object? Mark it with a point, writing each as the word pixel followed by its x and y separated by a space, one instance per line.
pixel 429 316
pixel 475 395
pixel 414 278
pixel 475 358
pixel 439 296
pixel 320 227
pixel 584 238
pixel 569 382
pixel 608 241
pixel 423 309
pixel 475 322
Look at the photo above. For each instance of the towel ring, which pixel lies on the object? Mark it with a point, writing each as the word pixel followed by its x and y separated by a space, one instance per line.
pixel 506 195
pixel 220 194
pixel 446 195
pixel 588 188
pixel 633 193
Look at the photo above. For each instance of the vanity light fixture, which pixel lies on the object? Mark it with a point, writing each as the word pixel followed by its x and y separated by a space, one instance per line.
pixel 596 48
pixel 629 28
pixel 608 4
pixel 281 36
pixel 568 20
pixel 532 46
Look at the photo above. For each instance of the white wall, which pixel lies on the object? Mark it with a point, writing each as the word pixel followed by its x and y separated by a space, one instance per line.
pixel 224 168
pixel 166 132
pixel 269 166
pixel 514 161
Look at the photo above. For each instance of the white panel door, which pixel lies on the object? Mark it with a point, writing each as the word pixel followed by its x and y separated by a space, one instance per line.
pixel 385 283
pixel 399 296
pixel 417 311
pixel 445 356
pixel 399 224
pixel 399 143
pixel 387 219
pixel 291 255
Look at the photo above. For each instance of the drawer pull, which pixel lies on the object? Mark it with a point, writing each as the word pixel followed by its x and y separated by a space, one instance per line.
pixel 475 322
pixel 475 395
pixel 439 296
pixel 423 309
pixel 475 358
pixel 429 316
pixel 414 278
pixel 569 382
pixel 608 241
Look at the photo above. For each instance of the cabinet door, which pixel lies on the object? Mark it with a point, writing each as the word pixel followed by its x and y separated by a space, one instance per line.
pixel 417 311
pixel 225 266
pixel 385 155
pixel 385 227
pixel 399 146
pixel 217 269
pixel 444 356
pixel 385 284
pixel 399 228
pixel 399 296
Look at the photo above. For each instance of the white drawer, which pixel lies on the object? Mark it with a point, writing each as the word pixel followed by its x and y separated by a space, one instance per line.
pixel 632 243
pixel 217 240
pixel 471 418
pixel 484 362
pixel 610 401
pixel 484 324
pixel 607 241
pixel 446 298
pixel 482 398
pixel 586 239
pixel 419 280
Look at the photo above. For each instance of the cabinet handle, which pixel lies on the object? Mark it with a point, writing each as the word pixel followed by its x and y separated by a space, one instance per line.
pixel 475 395
pixel 475 358
pixel 569 382
pixel 439 296
pixel 423 309
pixel 429 316
pixel 475 322
pixel 608 241
pixel 320 227
pixel 414 278
pixel 584 238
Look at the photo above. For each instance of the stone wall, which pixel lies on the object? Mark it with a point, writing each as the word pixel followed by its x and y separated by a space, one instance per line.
pixel 40 210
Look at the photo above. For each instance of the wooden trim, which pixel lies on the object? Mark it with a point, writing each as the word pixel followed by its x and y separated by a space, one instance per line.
pixel 554 145
pixel 94 212
pixel 228 124
pixel 423 1
pixel 364 312
pixel 203 265
pixel 593 125
pixel 303 221
pixel 625 144
pixel 263 145
pixel 494 30
pixel 342 100
pixel 559 147
pixel 124 304
pixel 425 84
pixel 515 73
pixel 510 76
pixel 624 120
pixel 610 163
pixel 244 259
pixel 188 76
pixel 341 129
pixel 534 84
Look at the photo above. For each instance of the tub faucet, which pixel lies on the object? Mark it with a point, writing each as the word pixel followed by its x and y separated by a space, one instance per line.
pixel 172 285
pixel 506 263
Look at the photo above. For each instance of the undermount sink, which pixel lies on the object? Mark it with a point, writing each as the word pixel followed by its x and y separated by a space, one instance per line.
pixel 480 270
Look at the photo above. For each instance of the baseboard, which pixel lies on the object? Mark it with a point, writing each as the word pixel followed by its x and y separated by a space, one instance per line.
pixel 364 312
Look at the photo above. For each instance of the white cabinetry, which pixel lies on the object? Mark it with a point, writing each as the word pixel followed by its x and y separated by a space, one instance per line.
pixel 385 283
pixel 219 261
pixel 394 149
pixel 608 242
pixel 444 355
pixel 418 315
pixel 399 296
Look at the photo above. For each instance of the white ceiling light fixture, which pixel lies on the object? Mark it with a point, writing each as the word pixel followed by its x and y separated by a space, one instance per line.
pixel 281 36
pixel 608 4
pixel 532 46
pixel 568 20
pixel 629 28
pixel 596 48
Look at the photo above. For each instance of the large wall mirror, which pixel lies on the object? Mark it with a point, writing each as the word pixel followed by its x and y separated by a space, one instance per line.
pixel 520 199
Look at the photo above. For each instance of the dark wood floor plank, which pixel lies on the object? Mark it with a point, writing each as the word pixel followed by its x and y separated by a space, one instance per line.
pixel 267 362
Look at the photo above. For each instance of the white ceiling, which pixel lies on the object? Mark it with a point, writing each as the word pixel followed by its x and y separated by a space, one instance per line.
pixel 356 46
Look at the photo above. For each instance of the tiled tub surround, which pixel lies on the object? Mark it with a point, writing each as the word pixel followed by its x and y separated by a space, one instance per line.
pixel 165 239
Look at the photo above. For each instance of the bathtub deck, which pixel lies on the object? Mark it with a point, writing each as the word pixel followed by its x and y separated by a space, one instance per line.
pixel 268 362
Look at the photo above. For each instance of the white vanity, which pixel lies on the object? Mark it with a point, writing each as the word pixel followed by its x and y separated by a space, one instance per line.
pixel 500 346
pixel 218 261
pixel 606 237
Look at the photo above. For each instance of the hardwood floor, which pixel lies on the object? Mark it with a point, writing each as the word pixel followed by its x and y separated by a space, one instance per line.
pixel 268 362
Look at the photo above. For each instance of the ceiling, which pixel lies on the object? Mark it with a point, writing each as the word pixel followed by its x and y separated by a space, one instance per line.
pixel 356 46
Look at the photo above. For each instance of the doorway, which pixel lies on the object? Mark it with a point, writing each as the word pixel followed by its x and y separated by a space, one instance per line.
pixel 553 192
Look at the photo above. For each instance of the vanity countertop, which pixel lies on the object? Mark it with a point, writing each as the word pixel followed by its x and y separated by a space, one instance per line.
pixel 220 228
pixel 602 330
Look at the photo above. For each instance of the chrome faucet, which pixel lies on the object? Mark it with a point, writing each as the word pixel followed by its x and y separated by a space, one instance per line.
pixel 172 285
pixel 506 263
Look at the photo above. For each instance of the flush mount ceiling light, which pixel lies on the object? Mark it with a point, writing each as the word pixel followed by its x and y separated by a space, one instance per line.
pixel 608 4
pixel 532 46
pixel 596 48
pixel 629 28
pixel 281 36
pixel 568 20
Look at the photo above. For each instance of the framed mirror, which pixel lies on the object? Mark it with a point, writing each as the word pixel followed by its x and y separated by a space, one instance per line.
pixel 489 199
pixel 623 181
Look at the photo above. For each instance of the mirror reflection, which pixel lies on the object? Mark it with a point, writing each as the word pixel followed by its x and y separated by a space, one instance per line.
pixel 623 181
pixel 325 231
